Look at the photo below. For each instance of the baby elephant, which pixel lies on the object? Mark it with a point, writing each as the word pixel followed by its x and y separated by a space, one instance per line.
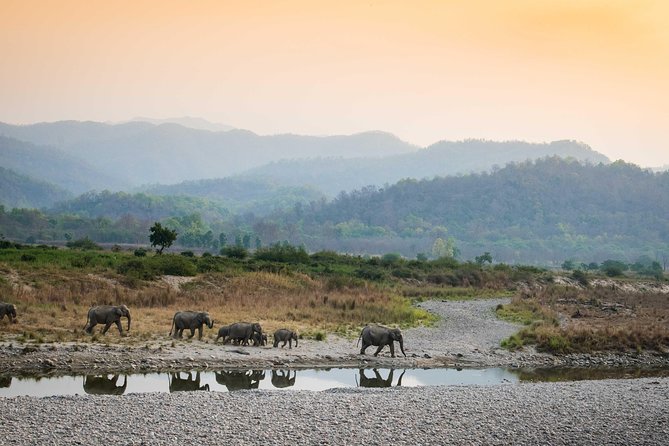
pixel 223 332
pixel 259 339
pixel 286 336
pixel 9 310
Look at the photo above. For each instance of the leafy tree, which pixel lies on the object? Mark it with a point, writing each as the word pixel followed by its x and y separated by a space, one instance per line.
pixel 235 252
pixel 568 265
pixel 222 240
pixel 246 241
pixel 161 236
pixel 485 257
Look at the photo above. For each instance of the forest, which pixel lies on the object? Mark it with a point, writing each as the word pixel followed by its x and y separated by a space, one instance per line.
pixel 539 212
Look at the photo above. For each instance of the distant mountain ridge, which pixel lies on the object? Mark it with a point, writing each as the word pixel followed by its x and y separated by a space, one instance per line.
pixel 441 159
pixel 20 191
pixel 187 121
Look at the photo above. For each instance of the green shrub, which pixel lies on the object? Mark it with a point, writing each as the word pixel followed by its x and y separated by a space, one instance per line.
pixel 84 244
pixel 235 252
pixel 172 265
pixel 140 252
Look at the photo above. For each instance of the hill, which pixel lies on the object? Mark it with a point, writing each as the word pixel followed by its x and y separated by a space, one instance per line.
pixel 20 191
pixel 141 153
pixel 52 165
pixel 240 195
pixel 441 159
pixel 533 212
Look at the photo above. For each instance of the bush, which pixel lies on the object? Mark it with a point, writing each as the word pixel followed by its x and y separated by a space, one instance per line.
pixel 187 254
pixel 235 252
pixel 172 265
pixel 84 244
pixel 282 252
pixel 140 252
pixel 136 269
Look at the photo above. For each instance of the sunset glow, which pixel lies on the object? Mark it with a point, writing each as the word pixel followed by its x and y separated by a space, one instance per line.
pixel 594 71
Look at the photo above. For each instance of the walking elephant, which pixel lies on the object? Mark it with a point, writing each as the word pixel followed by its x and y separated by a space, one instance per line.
pixel 108 315
pixel 240 380
pixel 286 336
pixel 282 378
pixel 104 385
pixel 9 310
pixel 377 380
pixel 188 384
pixel 191 320
pixel 259 339
pixel 243 331
pixel 380 336
pixel 223 332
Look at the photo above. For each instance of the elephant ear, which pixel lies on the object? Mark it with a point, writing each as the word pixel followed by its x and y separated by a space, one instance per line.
pixel 118 311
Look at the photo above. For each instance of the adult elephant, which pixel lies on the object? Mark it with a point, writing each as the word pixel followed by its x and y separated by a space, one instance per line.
pixel 104 385
pixel 191 320
pixel 286 336
pixel 108 315
pixel 240 379
pixel 377 380
pixel 381 336
pixel 9 310
pixel 187 384
pixel 243 331
pixel 282 378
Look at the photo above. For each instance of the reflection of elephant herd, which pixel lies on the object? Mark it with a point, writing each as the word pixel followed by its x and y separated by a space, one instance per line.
pixel 241 333
pixel 232 380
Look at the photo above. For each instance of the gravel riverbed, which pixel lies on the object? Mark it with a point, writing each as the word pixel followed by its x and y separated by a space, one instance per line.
pixel 620 412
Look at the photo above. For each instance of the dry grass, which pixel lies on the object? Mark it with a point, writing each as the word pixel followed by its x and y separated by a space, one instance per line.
pixel 596 319
pixel 53 306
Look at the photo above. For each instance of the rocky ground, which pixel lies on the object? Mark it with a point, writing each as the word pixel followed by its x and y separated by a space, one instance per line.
pixel 624 412
pixel 468 335
pixel 612 412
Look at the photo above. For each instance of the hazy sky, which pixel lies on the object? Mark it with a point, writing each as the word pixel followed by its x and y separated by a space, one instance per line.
pixel 537 70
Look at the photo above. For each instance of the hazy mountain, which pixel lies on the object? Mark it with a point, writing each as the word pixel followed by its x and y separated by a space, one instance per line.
pixel 440 159
pixel 20 191
pixel 142 153
pixel 52 165
pixel 240 195
pixel 535 212
pixel 189 122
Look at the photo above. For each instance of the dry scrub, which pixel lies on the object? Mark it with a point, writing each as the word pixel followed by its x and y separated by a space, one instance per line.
pixel 53 306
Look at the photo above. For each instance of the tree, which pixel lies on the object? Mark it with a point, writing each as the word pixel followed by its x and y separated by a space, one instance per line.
pixel 222 239
pixel 163 237
pixel 485 257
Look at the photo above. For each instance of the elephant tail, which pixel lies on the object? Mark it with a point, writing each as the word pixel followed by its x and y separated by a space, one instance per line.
pixel 174 321
pixel 359 337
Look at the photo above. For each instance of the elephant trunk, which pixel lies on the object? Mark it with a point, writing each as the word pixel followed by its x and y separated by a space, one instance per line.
pixel 128 315
pixel 402 346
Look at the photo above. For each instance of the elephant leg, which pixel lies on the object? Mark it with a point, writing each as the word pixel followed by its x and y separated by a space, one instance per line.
pixel 89 328
pixel 284 344
pixel 376 353
pixel 199 332
pixel 118 325
pixel 392 349
pixel 107 325
pixel 192 333
pixel 364 347
pixel 276 343
pixel 290 343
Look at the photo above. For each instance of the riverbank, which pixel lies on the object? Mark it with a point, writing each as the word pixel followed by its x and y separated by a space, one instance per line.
pixel 618 412
pixel 467 335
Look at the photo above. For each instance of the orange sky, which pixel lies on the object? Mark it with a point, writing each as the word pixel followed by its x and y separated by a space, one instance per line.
pixel 595 71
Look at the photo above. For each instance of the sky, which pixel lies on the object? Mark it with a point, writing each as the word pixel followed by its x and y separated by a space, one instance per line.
pixel 595 71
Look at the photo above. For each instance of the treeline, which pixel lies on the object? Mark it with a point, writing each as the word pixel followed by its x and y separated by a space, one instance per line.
pixel 539 212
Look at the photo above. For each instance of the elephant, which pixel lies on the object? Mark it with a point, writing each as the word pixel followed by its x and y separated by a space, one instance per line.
pixel 286 336
pixel 188 384
pixel 240 380
pixel 104 385
pixel 190 320
pixel 223 332
pixel 378 381
pixel 380 336
pixel 282 379
pixel 243 331
pixel 259 339
pixel 107 314
pixel 9 310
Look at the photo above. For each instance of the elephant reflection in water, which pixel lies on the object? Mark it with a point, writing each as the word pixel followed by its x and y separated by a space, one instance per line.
pixel 240 380
pixel 187 384
pixel 282 378
pixel 104 384
pixel 378 381
pixel 5 381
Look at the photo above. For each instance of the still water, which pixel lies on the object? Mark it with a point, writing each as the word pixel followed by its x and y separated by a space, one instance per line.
pixel 310 379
